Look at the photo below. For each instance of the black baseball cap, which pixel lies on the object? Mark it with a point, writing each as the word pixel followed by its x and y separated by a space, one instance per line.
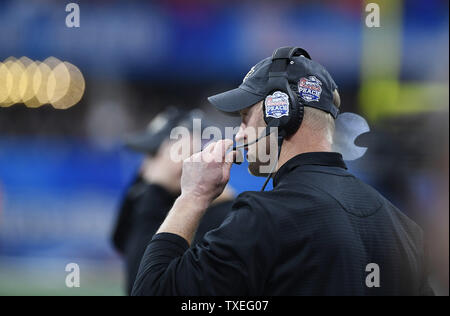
pixel 314 86
pixel 159 128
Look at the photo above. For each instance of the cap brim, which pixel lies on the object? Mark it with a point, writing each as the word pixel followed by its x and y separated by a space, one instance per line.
pixel 234 100
pixel 144 143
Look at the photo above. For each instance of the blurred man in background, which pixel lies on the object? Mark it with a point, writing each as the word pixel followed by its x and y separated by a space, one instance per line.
pixel 154 190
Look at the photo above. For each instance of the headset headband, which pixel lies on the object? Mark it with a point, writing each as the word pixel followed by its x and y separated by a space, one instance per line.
pixel 280 61
pixel 289 52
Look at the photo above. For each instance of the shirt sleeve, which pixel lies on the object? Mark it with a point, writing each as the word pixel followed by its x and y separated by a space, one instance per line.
pixel 234 259
pixel 425 287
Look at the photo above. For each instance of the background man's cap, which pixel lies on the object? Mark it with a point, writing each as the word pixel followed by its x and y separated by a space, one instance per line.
pixel 159 129
pixel 313 84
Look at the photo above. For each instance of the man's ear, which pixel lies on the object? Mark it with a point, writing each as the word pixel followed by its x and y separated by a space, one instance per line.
pixel 336 98
pixel 260 109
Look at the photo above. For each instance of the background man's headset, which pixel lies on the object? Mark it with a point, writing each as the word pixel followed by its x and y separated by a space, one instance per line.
pixel 279 82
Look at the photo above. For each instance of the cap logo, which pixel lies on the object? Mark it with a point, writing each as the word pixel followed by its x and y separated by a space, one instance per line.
pixel 249 73
pixel 277 104
pixel 310 88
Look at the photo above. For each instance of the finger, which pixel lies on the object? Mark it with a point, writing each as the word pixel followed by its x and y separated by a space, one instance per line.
pixel 232 157
pixel 228 144
pixel 209 150
pixel 218 153
pixel 226 170
pixel 210 146
pixel 221 149
pixel 207 154
pixel 194 158
pixel 207 144
pixel 239 156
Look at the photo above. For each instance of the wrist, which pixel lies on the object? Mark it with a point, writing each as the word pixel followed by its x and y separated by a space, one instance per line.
pixel 184 217
pixel 193 202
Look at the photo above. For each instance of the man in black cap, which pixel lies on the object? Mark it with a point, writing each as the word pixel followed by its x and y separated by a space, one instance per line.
pixel 155 188
pixel 320 231
pixel 148 143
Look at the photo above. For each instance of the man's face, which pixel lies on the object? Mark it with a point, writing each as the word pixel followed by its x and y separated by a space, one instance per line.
pixel 252 126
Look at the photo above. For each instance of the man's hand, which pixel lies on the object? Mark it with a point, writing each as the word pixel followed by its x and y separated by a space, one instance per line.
pixel 206 173
pixel 204 177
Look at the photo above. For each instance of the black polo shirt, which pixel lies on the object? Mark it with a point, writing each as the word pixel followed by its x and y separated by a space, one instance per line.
pixel 318 232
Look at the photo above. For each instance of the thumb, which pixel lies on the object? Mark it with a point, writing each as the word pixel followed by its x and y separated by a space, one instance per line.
pixel 227 165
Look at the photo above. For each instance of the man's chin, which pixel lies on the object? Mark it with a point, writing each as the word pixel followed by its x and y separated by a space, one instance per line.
pixel 253 169
pixel 256 169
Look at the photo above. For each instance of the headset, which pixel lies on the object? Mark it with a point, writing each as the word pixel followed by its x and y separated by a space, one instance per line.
pixel 282 107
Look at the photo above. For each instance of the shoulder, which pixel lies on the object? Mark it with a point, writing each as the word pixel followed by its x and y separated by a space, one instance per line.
pixel 248 213
pixel 247 227
pixel 404 221
pixel 248 205
pixel 301 197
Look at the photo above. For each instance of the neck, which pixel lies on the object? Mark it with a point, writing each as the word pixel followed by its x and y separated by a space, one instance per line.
pixel 302 142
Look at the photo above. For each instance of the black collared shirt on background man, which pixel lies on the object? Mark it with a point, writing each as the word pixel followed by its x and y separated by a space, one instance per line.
pixel 315 233
pixel 124 221
pixel 143 210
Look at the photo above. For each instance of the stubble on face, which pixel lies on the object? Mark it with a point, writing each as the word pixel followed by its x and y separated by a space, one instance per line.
pixel 260 157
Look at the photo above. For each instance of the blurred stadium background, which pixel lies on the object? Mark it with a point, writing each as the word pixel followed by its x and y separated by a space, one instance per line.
pixel 62 173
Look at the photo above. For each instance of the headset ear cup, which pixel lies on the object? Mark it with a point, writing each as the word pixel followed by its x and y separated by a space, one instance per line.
pixel 267 119
pixel 289 124
pixel 276 121
pixel 297 111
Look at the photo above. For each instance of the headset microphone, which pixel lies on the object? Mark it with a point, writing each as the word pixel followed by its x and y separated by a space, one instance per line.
pixel 266 133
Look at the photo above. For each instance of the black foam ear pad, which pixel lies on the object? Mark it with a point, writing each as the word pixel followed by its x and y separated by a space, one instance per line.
pixel 297 111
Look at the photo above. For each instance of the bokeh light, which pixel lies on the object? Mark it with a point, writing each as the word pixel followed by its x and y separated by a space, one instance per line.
pixel 35 83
